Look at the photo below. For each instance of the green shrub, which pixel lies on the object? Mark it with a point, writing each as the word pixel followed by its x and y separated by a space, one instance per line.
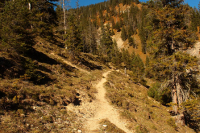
pixel 153 91
pixel 163 96
pixel 143 82
pixel 141 129
pixel 172 123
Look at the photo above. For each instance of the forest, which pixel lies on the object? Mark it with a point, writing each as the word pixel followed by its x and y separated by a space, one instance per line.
pixel 31 30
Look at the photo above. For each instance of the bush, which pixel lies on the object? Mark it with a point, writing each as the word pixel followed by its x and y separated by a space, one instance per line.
pixel 141 129
pixel 163 96
pixel 172 123
pixel 144 82
pixel 153 91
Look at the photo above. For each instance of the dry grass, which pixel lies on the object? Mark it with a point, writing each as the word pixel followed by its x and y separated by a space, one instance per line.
pixel 29 107
pixel 143 113
pixel 125 45
pixel 139 47
pixel 110 127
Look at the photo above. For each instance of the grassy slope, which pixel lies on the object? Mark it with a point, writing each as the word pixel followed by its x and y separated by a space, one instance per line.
pixel 143 113
pixel 124 44
pixel 41 108
pixel 29 107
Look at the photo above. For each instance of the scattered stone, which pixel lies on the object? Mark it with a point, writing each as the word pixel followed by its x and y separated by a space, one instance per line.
pixel 79 131
pixel 104 126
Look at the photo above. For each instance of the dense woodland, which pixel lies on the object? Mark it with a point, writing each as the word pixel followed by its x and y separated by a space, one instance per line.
pixel 167 28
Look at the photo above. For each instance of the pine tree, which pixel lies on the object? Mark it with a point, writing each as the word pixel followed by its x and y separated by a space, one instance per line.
pixel 195 18
pixel 123 34
pixel 131 42
pixel 73 36
pixel 137 68
pixel 168 63
pixel 43 17
pixel 117 26
pixel 106 40
pixel 115 55
pixel 126 58
pixel 14 20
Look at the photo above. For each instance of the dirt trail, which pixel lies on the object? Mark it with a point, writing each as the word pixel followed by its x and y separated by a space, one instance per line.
pixel 69 63
pixel 92 113
pixel 104 110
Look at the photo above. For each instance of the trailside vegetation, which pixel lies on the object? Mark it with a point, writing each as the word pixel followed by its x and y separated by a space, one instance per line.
pixel 166 28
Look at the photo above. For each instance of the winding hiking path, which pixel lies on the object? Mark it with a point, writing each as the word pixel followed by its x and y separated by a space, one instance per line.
pixel 104 110
pixel 100 108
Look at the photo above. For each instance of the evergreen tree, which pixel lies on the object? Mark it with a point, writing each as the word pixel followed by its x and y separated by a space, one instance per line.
pixel 43 17
pixel 195 18
pixel 167 62
pixel 116 55
pixel 142 32
pixel 131 42
pixel 123 34
pixel 137 68
pixel 106 40
pixel 14 22
pixel 126 58
pixel 147 61
pixel 117 26
pixel 73 36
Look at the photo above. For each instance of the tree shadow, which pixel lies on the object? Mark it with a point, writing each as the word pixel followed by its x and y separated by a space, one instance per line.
pixel 44 69
pixel 9 68
pixel 56 42
pixel 41 57
pixel 90 65
pixel 68 68
pixel 40 78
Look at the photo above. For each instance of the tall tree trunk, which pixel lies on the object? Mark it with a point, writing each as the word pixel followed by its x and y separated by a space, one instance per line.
pixel 178 99
pixel 65 27
pixel 29 6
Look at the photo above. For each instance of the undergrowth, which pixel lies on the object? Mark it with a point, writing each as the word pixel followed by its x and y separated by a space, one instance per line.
pixel 143 113
pixel 107 126
pixel 35 98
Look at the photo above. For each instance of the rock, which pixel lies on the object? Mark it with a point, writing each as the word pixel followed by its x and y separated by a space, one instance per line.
pixel 180 119
pixel 79 131
pixel 104 126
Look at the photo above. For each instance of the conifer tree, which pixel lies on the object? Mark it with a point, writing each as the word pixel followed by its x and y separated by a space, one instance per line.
pixel 123 34
pixel 137 68
pixel 115 55
pixel 131 42
pixel 117 26
pixel 14 20
pixel 167 62
pixel 195 18
pixel 126 58
pixel 73 36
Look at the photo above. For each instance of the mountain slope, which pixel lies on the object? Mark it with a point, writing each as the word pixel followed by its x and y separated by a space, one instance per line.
pixel 79 81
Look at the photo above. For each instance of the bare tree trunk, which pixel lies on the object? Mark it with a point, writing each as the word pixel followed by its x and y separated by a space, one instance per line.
pixel 179 94
pixel 178 99
pixel 65 27
pixel 174 100
pixel 29 6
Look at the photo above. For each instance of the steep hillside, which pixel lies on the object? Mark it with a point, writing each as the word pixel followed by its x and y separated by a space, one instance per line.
pixel 74 99
pixel 143 113
pixel 125 45
pixel 31 107
pixel 118 67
